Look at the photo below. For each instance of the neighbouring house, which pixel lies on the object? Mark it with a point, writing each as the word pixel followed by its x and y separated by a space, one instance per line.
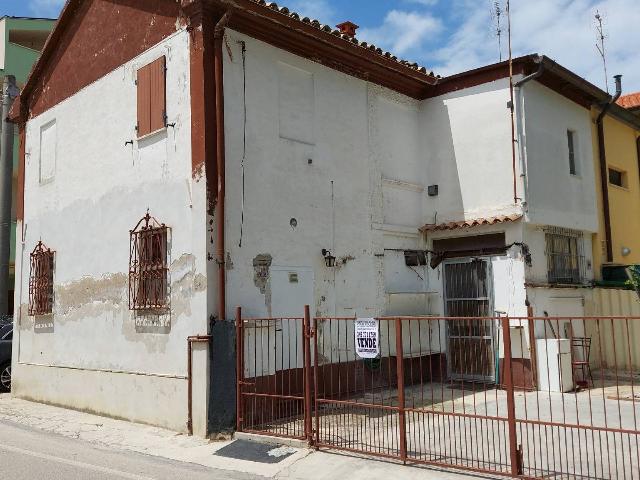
pixel 21 40
pixel 202 157
pixel 631 102
pixel 616 136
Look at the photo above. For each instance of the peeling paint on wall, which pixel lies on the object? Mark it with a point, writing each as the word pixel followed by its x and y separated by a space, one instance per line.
pixel 261 277
pixel 106 290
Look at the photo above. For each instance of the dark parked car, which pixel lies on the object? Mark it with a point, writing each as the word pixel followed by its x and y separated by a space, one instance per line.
pixel 6 336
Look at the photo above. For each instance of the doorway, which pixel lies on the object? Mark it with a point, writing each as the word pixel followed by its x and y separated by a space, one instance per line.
pixel 471 343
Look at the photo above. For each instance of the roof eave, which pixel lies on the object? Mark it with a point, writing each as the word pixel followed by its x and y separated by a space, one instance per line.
pixel 348 55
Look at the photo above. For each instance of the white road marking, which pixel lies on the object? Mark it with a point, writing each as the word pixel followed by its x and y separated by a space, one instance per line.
pixel 75 463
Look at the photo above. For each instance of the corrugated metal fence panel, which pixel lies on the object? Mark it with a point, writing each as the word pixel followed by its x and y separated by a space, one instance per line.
pixel 612 302
pixel 157 94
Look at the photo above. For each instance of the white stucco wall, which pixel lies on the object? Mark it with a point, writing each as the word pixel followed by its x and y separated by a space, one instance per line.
pixel 93 353
pixel 350 174
pixel 466 140
pixel 555 197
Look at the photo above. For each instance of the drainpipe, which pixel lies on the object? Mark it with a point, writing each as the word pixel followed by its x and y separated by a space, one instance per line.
pixel 604 177
pixel 218 35
pixel 534 75
pixel 9 92
pixel 638 151
pixel 523 167
pixel 190 342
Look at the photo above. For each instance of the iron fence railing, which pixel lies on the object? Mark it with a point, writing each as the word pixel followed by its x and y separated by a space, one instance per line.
pixel 522 397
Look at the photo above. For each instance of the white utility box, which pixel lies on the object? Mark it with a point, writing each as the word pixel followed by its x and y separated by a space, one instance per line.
pixel 554 365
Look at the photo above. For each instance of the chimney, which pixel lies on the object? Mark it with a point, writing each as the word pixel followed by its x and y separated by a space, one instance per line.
pixel 348 28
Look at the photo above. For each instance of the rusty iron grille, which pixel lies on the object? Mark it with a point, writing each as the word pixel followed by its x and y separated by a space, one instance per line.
pixel 565 258
pixel 41 281
pixel 148 269
pixel 563 400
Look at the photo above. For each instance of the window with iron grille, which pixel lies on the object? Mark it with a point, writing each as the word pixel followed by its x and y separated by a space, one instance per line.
pixel 148 269
pixel 41 281
pixel 564 256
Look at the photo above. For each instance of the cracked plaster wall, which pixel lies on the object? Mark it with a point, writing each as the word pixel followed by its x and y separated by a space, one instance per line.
pixel 100 189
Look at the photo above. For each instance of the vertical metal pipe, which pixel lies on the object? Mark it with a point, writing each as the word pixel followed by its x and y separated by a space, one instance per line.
pixel 9 92
pixel 239 367
pixel 315 381
pixel 604 170
pixel 512 108
pixel 220 162
pixel 402 421
pixel 307 334
pixel 511 406
pixel 189 387
pixel 533 347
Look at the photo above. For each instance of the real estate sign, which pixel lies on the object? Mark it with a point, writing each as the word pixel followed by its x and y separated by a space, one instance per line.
pixel 367 337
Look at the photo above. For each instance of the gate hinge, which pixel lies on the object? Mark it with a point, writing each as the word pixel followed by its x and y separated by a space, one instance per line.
pixel 311 334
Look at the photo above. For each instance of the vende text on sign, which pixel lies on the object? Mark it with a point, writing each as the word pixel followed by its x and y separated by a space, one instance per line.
pixel 367 337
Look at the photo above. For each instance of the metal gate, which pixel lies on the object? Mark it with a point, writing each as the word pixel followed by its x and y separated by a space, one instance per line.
pixel 559 407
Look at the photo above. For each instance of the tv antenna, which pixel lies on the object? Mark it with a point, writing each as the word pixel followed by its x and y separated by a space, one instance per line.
pixel 600 46
pixel 496 14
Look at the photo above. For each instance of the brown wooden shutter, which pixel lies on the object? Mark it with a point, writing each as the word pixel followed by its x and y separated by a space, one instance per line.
pixel 152 97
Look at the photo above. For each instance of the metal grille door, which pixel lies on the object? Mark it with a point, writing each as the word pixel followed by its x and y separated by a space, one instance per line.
pixel 468 294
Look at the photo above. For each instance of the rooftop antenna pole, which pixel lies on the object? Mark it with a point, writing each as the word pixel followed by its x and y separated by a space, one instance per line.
pixel 512 107
pixel 600 46
pixel 497 14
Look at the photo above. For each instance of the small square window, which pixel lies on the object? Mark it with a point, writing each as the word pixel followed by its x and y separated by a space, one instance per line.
pixel 573 157
pixel 617 177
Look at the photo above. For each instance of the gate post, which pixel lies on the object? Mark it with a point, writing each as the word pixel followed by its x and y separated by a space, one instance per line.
pixel 401 401
pixel 306 336
pixel 514 454
pixel 239 368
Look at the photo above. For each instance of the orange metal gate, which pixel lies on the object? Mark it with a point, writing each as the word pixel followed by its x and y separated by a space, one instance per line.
pixel 564 401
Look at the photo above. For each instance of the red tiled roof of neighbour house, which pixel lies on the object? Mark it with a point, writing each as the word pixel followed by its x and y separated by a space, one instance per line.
pixel 435 227
pixel 630 101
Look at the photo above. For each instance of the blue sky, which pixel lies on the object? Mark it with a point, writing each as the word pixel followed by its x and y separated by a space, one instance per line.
pixel 450 36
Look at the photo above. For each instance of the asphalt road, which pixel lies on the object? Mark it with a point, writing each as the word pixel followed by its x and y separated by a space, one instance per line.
pixel 28 454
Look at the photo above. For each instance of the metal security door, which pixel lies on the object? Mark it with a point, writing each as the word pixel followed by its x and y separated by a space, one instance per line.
pixel 471 353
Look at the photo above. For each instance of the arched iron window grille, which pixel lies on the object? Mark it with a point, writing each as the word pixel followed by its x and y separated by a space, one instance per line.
pixel 148 269
pixel 41 280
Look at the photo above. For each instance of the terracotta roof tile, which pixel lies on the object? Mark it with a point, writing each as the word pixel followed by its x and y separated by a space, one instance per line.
pixel 630 101
pixel 334 31
pixel 470 223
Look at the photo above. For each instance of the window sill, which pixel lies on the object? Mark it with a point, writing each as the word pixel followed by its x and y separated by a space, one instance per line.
pixel 46 181
pixel 558 285
pixel 151 134
pixel 618 187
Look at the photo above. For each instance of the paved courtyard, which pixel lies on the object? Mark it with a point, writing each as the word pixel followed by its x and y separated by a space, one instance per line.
pixel 593 433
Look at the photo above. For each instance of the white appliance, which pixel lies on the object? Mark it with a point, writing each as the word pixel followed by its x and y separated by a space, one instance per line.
pixel 554 365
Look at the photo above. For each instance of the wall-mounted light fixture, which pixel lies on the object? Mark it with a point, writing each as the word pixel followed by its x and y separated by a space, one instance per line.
pixel 626 251
pixel 329 259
